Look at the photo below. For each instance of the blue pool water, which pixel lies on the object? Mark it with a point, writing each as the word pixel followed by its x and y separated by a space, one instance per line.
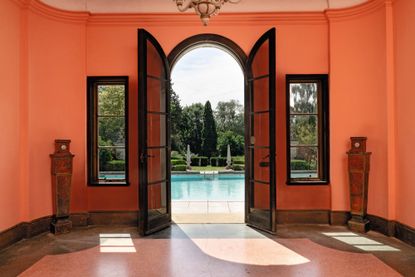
pixel 198 187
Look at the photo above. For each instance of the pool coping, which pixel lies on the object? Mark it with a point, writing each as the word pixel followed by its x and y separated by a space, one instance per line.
pixel 204 172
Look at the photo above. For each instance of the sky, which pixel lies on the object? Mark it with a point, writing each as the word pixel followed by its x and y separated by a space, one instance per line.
pixel 207 73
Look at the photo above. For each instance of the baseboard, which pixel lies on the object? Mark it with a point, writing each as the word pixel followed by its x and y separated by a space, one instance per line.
pixel 392 228
pixel 35 227
pixel 303 217
pixel 339 217
pixel 405 233
pixel 382 225
pixel 24 230
pixel 129 218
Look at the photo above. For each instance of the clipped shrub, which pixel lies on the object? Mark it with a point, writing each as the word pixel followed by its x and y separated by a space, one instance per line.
pixel 178 162
pixel 238 161
pixel 238 167
pixel 214 161
pixel 195 161
pixel 179 167
pixel 176 156
pixel 115 165
pixel 204 161
pixel 299 165
pixel 221 161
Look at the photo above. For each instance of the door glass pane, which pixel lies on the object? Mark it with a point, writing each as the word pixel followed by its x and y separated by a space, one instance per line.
pixel 260 97
pixel 157 199
pixel 154 62
pixel 303 130
pixel 156 95
pixel 260 136
pixel 156 165
pixel 156 129
pixel 260 165
pixel 260 64
pixel 303 98
pixel 304 162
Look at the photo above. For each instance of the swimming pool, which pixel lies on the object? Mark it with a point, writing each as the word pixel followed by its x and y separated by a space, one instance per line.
pixel 212 187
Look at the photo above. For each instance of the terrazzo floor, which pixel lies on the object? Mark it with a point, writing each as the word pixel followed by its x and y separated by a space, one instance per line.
pixel 209 250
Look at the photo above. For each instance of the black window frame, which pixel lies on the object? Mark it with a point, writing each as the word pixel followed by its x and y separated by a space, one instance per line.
pixel 323 130
pixel 92 143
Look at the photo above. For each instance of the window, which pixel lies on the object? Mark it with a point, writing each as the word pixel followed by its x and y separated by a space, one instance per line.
pixel 307 129
pixel 107 130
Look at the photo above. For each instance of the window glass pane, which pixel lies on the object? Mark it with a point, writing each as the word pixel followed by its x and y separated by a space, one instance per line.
pixel 111 99
pixel 303 130
pixel 304 162
pixel 111 163
pixel 111 131
pixel 303 98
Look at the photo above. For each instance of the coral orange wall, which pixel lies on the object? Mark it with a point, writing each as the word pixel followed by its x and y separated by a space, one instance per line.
pixel 118 56
pixel 9 114
pixel 63 48
pixel 404 11
pixel 57 106
pixel 358 102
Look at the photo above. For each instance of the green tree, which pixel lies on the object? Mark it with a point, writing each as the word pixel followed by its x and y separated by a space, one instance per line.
pixel 235 141
pixel 209 136
pixel 111 111
pixel 303 125
pixel 191 127
pixel 229 116
pixel 176 111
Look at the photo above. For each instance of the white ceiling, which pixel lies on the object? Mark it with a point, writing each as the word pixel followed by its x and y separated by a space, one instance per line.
pixel 168 6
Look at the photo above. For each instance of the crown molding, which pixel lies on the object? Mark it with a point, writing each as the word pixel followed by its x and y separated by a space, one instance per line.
pixel 185 19
pixel 163 19
pixel 369 7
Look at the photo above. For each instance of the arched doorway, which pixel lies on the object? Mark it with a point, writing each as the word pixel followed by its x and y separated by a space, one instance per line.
pixel 207 120
pixel 154 140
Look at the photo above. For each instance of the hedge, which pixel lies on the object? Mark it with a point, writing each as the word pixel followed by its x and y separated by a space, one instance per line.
pixel 195 161
pixel 179 168
pixel 221 161
pixel 178 162
pixel 176 156
pixel 238 162
pixel 299 165
pixel 204 161
pixel 238 167
pixel 114 165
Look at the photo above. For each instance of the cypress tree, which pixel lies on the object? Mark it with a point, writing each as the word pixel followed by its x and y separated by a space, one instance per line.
pixel 209 135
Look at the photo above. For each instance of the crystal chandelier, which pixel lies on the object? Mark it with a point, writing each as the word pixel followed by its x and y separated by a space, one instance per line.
pixel 204 8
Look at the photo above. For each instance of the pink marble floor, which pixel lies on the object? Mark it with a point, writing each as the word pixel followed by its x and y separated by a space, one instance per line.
pixel 217 250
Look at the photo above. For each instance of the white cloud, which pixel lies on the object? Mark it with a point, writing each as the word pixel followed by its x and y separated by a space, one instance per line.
pixel 208 73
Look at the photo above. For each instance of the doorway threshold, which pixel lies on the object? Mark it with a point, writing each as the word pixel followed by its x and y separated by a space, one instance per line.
pixel 208 211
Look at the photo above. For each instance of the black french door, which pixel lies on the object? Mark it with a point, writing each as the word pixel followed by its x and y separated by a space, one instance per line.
pixel 260 205
pixel 154 136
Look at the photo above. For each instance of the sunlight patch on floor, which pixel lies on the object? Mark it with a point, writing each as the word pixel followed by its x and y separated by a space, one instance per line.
pixel 360 242
pixel 116 243
pixel 254 249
